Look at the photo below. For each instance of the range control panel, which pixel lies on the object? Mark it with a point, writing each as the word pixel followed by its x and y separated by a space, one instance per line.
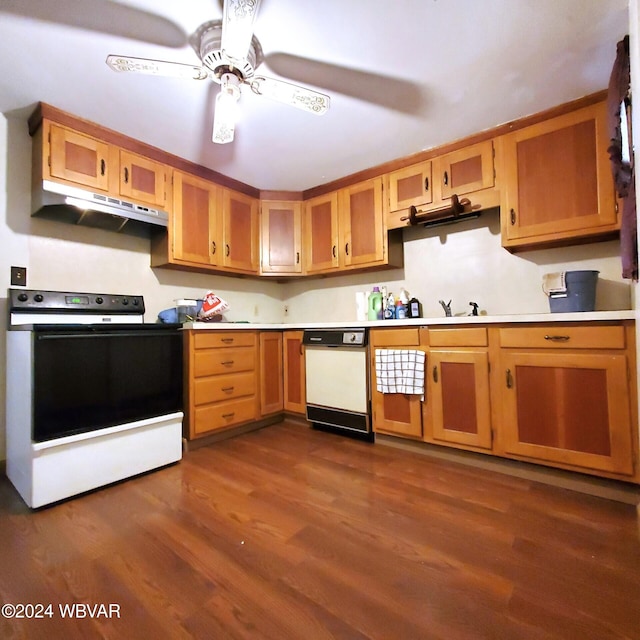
pixel 36 301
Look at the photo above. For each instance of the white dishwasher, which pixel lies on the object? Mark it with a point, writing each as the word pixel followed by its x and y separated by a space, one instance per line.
pixel 337 380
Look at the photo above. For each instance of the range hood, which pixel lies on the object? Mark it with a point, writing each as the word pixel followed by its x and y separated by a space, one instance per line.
pixel 64 203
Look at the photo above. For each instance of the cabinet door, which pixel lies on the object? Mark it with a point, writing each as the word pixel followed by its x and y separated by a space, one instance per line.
pixel 142 179
pixel 320 229
pixel 271 400
pixel 361 223
pixel 558 180
pixel 568 408
pixel 195 222
pixel 240 231
pixel 410 186
pixel 281 237
pixel 459 397
pixel 78 159
pixel 397 414
pixel 294 372
pixel 466 170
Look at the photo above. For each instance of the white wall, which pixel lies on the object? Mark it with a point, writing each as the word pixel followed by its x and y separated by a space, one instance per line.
pixel 465 263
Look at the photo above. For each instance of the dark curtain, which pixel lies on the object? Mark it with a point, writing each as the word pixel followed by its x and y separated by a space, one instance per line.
pixel 619 96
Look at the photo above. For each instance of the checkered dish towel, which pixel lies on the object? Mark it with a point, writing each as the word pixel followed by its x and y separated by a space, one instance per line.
pixel 400 371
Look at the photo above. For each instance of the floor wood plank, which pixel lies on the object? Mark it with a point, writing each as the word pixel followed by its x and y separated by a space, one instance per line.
pixel 292 533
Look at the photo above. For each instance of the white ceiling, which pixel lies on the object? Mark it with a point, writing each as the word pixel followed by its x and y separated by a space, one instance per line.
pixel 452 68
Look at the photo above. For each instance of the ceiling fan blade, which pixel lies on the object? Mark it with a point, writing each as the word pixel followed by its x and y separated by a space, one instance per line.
pixel 387 91
pixel 238 17
pixel 111 18
pixel 156 67
pixel 291 94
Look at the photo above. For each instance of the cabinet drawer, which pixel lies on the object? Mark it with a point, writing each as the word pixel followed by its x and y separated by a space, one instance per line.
pixel 224 414
pixel 211 362
pixel 218 339
pixel 558 336
pixel 220 388
pixel 466 337
pixel 395 338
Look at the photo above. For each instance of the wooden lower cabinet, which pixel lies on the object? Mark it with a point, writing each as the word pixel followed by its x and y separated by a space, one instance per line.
pixel 395 413
pixel 221 381
pixel 271 390
pixel 457 410
pixel 558 394
pixel 566 403
pixel 294 372
pixel 458 397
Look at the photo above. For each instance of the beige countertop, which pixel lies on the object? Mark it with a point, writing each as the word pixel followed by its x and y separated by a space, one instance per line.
pixel 584 316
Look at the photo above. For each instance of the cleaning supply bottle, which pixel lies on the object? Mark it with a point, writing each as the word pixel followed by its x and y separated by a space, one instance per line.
pixel 375 305
pixel 390 309
pixel 401 309
pixel 415 308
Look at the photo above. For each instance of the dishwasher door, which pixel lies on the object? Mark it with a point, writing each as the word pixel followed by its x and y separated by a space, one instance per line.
pixel 337 378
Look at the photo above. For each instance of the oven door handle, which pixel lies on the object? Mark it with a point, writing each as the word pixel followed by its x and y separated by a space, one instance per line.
pixel 103 334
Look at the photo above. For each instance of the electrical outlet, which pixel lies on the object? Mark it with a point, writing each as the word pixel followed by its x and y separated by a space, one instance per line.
pixel 18 276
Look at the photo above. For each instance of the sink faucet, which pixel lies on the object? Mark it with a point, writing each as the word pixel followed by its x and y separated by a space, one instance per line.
pixel 474 311
pixel 447 307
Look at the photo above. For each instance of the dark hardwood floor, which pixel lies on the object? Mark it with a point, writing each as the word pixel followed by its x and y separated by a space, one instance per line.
pixel 290 533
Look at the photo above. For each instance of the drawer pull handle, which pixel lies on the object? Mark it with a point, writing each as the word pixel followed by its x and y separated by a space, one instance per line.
pixel 227 250
pixel 229 415
pixel 226 340
pixel 126 175
pixel 333 251
pixel 446 178
pixel 435 374
pixel 103 167
pixel 346 248
pixel 426 183
pixel 213 247
pixel 512 216
pixel 227 362
pixel 509 379
pixel 227 389
pixel 558 338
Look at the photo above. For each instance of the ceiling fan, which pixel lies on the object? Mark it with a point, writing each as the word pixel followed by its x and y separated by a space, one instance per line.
pixel 230 55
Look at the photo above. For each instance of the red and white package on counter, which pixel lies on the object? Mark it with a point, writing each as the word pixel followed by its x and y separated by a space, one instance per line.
pixel 212 305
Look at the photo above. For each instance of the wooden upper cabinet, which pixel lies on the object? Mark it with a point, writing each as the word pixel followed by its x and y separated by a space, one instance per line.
pixel 195 223
pixel 240 231
pixel 362 229
pixel 142 179
pixel 320 233
pixel 281 238
pixel 465 171
pixel 411 186
pixel 557 180
pixel 76 158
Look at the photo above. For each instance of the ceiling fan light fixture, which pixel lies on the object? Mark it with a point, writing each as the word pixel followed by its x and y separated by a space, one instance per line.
pixel 224 118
